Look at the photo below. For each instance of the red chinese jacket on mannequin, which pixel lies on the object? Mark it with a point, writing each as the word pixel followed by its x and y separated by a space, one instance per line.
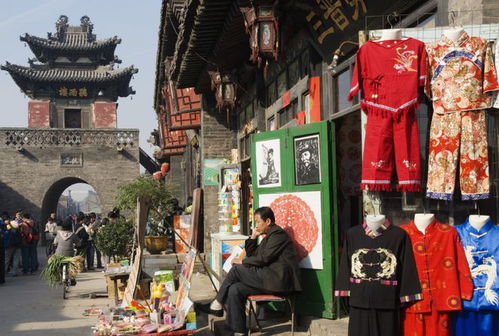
pixel 388 74
pixel 444 275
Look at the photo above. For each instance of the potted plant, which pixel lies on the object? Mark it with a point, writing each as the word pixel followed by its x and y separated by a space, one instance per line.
pixel 159 196
pixel 115 239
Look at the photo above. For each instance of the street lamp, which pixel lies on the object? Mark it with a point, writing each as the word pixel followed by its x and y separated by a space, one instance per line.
pixel 337 53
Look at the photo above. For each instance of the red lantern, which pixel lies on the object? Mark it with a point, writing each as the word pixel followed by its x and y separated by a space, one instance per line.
pixel 165 168
pixel 157 175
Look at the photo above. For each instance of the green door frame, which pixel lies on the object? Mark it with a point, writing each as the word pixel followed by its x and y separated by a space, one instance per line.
pixel 318 285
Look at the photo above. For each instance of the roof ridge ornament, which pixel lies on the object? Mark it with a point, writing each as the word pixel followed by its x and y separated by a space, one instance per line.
pixel 61 26
pixel 87 27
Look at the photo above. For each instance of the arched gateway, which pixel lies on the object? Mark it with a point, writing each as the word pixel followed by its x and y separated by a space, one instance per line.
pixel 71 135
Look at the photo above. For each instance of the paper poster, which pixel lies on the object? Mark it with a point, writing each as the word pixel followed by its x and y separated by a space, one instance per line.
pixel 237 253
pixel 268 163
pixel 300 215
pixel 307 160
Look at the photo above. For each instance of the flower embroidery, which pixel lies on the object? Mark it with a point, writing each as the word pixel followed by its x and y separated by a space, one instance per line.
pixel 378 164
pixel 409 165
pixel 404 59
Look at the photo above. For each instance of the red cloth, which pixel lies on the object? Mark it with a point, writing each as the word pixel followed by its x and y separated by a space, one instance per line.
pixel 442 266
pixel 391 142
pixel 461 74
pixel 388 74
pixel 435 323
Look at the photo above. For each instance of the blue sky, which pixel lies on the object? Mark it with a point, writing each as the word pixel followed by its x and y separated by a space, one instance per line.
pixel 135 22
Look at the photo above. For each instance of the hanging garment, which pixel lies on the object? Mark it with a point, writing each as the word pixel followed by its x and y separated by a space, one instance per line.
pixel 373 322
pixel 384 138
pixel 461 77
pixel 459 136
pixel 435 323
pixel 378 273
pixel 471 323
pixel 388 74
pixel 496 62
pixel 444 276
pixel 480 315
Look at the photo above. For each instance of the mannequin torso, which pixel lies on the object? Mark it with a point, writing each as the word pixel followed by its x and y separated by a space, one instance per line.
pixel 423 220
pixel 454 34
pixel 374 221
pixel 478 221
pixel 390 34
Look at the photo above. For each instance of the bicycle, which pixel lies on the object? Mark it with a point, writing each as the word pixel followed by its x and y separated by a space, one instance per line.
pixel 65 280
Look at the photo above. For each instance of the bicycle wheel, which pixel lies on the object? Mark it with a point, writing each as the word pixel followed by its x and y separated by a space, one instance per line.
pixel 64 281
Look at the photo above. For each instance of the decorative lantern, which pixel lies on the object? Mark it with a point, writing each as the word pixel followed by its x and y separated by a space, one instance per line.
pixel 165 168
pixel 262 26
pixel 225 89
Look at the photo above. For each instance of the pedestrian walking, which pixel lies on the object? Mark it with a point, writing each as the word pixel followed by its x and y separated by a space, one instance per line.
pixel 29 241
pixel 51 228
pixel 92 251
pixel 12 240
pixel 81 233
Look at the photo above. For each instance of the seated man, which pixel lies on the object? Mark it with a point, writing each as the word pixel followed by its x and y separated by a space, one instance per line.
pixel 270 268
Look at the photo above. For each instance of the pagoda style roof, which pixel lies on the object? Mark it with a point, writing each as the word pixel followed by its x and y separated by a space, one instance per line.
pixel 101 74
pixel 72 63
pixel 37 76
pixel 72 42
pixel 72 45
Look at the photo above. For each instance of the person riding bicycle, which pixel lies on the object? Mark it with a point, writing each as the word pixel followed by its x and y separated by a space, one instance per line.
pixel 65 239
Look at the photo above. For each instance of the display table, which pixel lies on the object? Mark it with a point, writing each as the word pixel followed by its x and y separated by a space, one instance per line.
pixel 221 246
pixel 115 277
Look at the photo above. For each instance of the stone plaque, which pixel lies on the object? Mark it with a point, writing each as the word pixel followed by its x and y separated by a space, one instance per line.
pixel 71 159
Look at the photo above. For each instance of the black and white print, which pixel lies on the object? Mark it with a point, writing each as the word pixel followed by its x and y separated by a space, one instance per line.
pixel 307 160
pixel 268 163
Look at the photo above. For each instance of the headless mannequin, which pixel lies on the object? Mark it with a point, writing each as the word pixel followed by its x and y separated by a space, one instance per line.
pixel 423 220
pixel 478 221
pixel 374 221
pixel 390 34
pixel 454 33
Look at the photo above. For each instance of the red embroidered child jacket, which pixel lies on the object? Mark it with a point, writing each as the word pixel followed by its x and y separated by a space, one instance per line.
pixel 388 74
pixel 442 266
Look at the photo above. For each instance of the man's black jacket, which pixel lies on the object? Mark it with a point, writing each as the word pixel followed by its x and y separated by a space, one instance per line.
pixel 277 259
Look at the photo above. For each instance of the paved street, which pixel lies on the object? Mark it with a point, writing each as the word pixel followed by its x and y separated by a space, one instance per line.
pixel 29 307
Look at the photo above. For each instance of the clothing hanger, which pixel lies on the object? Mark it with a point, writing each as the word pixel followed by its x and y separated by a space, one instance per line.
pixel 453 19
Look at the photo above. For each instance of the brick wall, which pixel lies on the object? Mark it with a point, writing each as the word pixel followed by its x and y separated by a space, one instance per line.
pixel 30 179
pixel 216 143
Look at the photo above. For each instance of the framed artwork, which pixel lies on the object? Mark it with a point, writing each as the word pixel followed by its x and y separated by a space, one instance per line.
pixel 268 163
pixel 300 215
pixel 307 160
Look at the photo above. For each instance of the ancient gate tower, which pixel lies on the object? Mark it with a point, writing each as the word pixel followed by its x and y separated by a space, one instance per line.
pixel 72 135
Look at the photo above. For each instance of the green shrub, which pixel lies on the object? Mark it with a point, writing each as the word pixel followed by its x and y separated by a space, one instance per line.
pixel 114 239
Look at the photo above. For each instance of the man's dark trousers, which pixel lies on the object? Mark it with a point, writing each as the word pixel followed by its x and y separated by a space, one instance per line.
pixel 240 283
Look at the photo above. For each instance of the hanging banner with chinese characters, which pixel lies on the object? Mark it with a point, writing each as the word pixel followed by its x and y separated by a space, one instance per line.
pixel 72 92
pixel 334 21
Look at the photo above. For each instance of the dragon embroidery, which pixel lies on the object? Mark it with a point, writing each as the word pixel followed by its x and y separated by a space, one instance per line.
pixel 488 267
pixel 387 263
pixel 404 59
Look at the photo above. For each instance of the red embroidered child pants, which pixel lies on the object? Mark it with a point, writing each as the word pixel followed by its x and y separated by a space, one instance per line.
pixel 463 135
pixel 391 142
pixel 435 323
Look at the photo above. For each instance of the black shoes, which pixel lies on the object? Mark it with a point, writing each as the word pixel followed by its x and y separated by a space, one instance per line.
pixel 205 308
